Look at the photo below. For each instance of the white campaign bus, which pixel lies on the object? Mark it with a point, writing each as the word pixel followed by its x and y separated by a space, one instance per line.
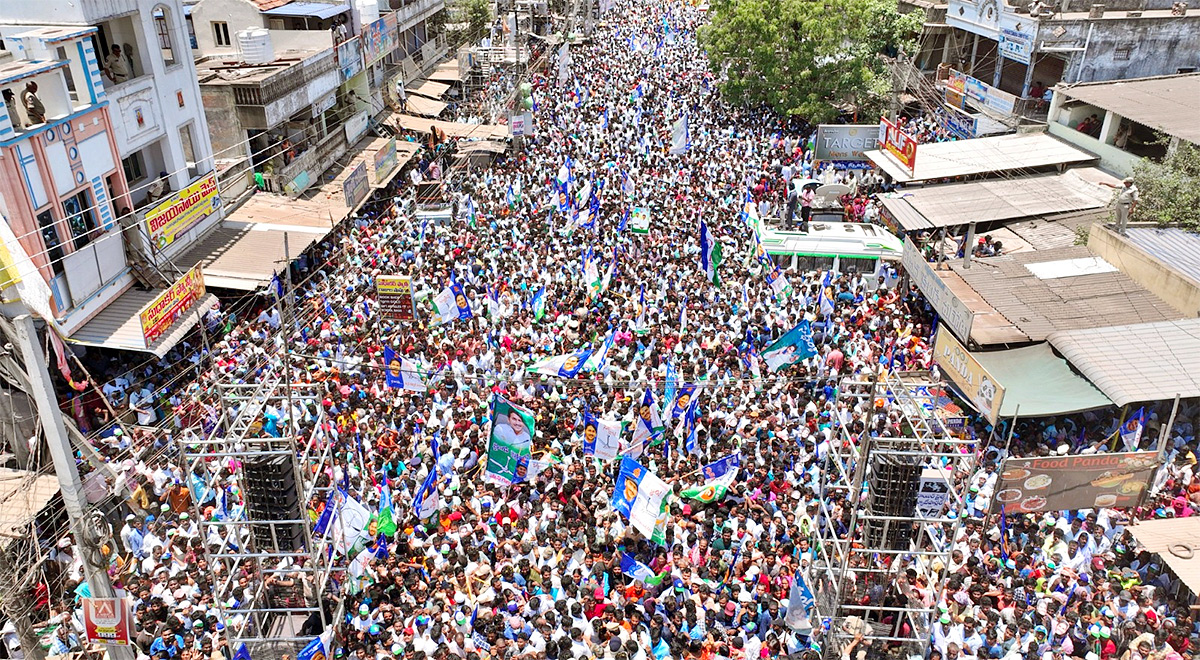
pixel 858 246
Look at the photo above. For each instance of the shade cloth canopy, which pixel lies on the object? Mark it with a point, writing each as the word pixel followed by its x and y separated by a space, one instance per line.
pixel 1174 539
pixel 1040 382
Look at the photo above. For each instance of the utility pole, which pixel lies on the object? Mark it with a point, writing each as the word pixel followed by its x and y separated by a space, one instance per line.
pixel 65 468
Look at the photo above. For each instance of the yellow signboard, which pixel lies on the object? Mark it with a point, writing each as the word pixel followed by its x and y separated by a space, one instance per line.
pixel 965 371
pixel 171 304
pixel 182 211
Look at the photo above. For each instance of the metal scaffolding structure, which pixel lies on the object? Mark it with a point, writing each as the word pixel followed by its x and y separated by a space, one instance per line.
pixel 876 481
pixel 289 569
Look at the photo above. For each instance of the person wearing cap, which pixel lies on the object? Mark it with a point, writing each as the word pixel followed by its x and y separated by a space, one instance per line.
pixel 1125 201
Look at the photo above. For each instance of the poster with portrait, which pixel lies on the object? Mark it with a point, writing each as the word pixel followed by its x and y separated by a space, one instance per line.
pixel 509 443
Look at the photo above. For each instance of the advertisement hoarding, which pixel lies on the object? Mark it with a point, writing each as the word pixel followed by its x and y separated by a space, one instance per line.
pixel 182 211
pixel 355 187
pixel 171 304
pixel 846 142
pixel 379 38
pixel 107 621
pixel 901 145
pixel 349 58
pixel 394 294
pixel 984 392
pixel 385 160
pixel 1058 483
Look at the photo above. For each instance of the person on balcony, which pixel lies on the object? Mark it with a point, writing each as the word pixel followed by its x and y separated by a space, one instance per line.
pixel 115 67
pixel 33 105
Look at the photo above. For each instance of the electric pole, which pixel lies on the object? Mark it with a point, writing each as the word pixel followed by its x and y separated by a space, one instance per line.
pixel 70 485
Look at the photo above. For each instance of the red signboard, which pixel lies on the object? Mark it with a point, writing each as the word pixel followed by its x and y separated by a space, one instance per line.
pixel 107 621
pixel 899 144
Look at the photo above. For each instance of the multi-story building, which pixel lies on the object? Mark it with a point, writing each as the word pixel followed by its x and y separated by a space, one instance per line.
pixel 131 59
pixel 60 169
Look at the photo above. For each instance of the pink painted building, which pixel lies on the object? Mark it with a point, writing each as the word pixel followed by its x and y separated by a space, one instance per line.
pixel 61 181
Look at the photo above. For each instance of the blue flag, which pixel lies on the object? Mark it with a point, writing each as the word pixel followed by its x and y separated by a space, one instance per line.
pixel 242 653
pixel 683 399
pixel 791 348
pixel 721 466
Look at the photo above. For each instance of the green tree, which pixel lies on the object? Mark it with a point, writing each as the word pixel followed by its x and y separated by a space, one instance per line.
pixel 471 21
pixel 804 57
pixel 1170 189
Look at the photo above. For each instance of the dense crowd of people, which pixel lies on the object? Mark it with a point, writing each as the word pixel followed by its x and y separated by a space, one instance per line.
pixel 546 568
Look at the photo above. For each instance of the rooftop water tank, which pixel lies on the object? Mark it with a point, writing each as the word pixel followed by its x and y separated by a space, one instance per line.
pixel 256 46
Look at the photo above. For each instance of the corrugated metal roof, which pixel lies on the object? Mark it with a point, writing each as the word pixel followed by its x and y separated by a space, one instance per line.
pixel 1056 231
pixel 1003 153
pixel 307 9
pixel 244 256
pixel 1136 363
pixel 1039 307
pixel 22 495
pixel 1003 199
pixel 1175 247
pixel 1180 534
pixel 119 325
pixel 1166 103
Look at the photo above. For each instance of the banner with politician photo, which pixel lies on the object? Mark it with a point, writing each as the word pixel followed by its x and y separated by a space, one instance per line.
pixel 509 442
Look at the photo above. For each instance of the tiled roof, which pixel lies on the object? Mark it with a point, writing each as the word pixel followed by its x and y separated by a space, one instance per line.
pixel 264 5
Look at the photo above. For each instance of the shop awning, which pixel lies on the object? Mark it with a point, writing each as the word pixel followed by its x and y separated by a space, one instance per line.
pixel 1004 153
pixel 422 106
pixel 448 72
pixel 1040 382
pixel 24 495
pixel 245 255
pixel 1173 539
pixel 429 89
pixel 455 129
pixel 1137 363
pixel 119 325
pixel 308 9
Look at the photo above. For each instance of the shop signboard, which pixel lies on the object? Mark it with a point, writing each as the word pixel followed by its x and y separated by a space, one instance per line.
pixel 171 304
pixel 981 93
pixel 1016 45
pixel 394 294
pixel 961 124
pixel 517 123
pixel 355 187
pixel 349 58
pixel 951 311
pixel 845 142
pixel 107 621
pixel 901 145
pixel 1087 481
pixel 984 391
pixel 379 38
pixel 385 160
pixel 182 210
pixel 356 126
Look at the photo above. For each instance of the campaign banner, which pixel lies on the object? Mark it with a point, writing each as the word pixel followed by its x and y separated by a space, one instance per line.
pixel 164 310
pixel 385 160
pixel 348 55
pixel 107 621
pixel 1062 483
pixel 899 144
pixel 355 187
pixel 933 492
pixel 638 495
pixel 845 141
pixel 639 220
pixel 984 391
pixel 182 211
pixel 394 295
pixel 509 443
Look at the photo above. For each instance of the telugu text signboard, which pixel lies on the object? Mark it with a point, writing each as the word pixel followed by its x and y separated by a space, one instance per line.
pixel 901 145
pixel 106 621
pixel 171 304
pixel 1061 483
pixel 845 142
pixel 985 393
pixel 182 211
pixel 395 297
pixel 951 311
pixel 355 187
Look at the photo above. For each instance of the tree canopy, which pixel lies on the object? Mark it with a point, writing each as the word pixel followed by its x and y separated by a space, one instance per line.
pixel 806 57
pixel 1170 189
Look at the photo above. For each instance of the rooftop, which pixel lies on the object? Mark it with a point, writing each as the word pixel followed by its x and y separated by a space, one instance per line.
pixel 1077 291
pixel 53 35
pixel 1165 103
pixel 1171 245
pixel 18 70
pixel 232 71
pixel 1003 153
pixel 1162 365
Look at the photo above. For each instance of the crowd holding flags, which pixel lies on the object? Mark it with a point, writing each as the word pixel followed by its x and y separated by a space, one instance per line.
pixel 1132 428
pixel 681 135
pixel 450 304
pixel 647 424
pixel 718 477
pixel 640 496
pixel 539 304
pixel 791 348
pixel 711 254
pixel 567 365
pixel 601 437
pixel 401 373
